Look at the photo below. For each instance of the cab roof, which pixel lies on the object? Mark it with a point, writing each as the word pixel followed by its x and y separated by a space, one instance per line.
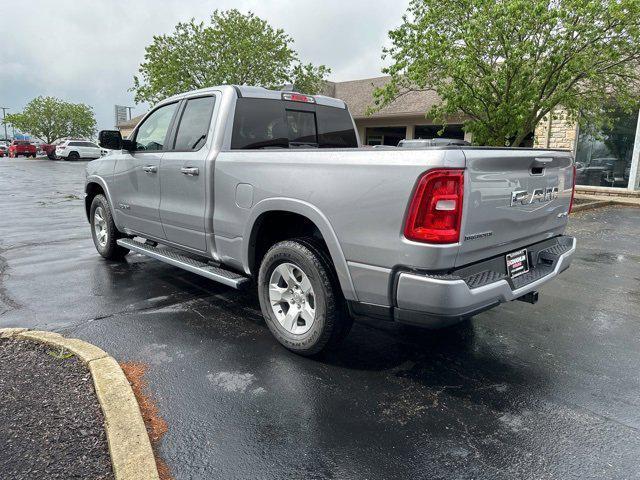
pixel 244 91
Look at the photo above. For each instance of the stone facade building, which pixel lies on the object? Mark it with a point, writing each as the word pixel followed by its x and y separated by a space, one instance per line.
pixel 556 131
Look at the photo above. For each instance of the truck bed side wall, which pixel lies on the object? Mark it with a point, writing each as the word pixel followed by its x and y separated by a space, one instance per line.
pixel 359 197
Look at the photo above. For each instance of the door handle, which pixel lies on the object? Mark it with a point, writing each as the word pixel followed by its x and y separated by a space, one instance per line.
pixel 191 171
pixel 150 169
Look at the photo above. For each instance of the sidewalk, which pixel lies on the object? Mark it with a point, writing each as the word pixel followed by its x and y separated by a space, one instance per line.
pixel 616 195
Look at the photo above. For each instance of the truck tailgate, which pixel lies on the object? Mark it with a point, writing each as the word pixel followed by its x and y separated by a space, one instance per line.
pixel 513 198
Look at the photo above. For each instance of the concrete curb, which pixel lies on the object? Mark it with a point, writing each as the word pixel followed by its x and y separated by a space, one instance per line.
pixel 612 199
pixel 131 454
pixel 591 205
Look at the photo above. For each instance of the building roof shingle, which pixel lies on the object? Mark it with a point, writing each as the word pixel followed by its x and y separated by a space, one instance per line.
pixel 358 95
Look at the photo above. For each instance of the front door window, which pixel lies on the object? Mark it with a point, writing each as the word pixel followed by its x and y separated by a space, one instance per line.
pixel 152 132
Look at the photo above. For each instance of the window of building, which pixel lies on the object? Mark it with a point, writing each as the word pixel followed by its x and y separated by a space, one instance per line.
pixel 431 131
pixel 374 140
pixel 603 156
pixel 385 135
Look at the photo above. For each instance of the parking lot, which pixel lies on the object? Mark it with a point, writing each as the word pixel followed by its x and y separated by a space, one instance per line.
pixel 550 390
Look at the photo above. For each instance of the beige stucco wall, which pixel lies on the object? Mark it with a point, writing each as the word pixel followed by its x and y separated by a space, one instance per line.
pixel 556 131
pixel 126 131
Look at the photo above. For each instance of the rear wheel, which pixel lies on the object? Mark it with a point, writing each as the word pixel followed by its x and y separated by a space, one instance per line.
pixel 300 298
pixel 103 230
pixel 73 156
pixel 51 155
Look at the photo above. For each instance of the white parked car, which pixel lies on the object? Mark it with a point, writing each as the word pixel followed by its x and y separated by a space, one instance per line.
pixel 77 149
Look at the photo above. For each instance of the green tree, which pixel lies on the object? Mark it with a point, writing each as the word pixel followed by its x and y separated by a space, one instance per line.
pixel 50 118
pixel 507 64
pixel 309 78
pixel 232 49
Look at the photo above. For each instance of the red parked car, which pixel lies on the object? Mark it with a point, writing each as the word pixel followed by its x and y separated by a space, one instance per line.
pixel 22 147
pixel 49 149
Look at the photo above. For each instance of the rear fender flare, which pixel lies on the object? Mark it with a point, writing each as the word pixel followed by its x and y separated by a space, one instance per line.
pixel 319 219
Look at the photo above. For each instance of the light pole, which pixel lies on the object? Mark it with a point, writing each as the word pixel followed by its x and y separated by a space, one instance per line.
pixel 4 116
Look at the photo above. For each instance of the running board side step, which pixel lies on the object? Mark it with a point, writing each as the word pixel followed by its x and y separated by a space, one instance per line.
pixel 226 277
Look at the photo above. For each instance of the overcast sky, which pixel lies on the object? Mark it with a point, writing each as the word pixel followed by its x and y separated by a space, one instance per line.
pixel 88 51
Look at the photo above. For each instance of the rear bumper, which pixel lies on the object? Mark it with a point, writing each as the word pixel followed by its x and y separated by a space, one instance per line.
pixel 440 300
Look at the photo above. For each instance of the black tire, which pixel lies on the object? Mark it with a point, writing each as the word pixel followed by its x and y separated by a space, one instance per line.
pixel 51 155
pixel 73 156
pixel 332 321
pixel 108 247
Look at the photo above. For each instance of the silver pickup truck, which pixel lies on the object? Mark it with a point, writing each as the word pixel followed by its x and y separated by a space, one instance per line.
pixel 248 186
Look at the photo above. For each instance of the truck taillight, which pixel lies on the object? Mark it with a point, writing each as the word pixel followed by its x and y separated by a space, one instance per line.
pixel 435 212
pixel 573 189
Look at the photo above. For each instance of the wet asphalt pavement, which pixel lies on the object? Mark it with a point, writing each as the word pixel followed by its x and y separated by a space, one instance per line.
pixel 550 390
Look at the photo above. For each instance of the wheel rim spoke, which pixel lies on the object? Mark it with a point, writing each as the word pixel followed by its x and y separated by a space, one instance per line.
pixel 305 284
pixel 291 318
pixel 276 294
pixel 286 272
pixel 307 313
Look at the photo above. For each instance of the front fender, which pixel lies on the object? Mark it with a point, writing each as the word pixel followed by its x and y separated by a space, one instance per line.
pixel 319 219
pixel 105 188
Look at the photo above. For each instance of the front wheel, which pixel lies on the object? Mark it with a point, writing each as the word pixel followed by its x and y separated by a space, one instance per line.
pixel 300 297
pixel 103 230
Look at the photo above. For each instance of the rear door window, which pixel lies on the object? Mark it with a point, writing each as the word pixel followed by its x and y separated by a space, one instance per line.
pixel 194 123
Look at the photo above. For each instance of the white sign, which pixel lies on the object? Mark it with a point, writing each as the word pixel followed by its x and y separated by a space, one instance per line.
pixel 121 114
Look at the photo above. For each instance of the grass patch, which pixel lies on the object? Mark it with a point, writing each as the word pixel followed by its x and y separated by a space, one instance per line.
pixel 60 354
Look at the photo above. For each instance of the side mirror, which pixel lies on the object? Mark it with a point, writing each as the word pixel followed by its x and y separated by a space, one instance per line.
pixel 128 145
pixel 111 139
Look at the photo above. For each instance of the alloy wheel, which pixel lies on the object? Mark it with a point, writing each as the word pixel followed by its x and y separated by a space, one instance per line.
pixel 100 226
pixel 292 298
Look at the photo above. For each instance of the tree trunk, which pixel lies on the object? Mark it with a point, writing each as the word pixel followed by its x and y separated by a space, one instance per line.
pixel 517 142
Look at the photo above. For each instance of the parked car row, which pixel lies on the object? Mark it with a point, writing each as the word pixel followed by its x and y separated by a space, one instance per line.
pixel 77 149
pixel 65 149
pixel 17 148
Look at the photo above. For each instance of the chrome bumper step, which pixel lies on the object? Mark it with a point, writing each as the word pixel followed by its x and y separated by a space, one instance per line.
pixel 202 268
